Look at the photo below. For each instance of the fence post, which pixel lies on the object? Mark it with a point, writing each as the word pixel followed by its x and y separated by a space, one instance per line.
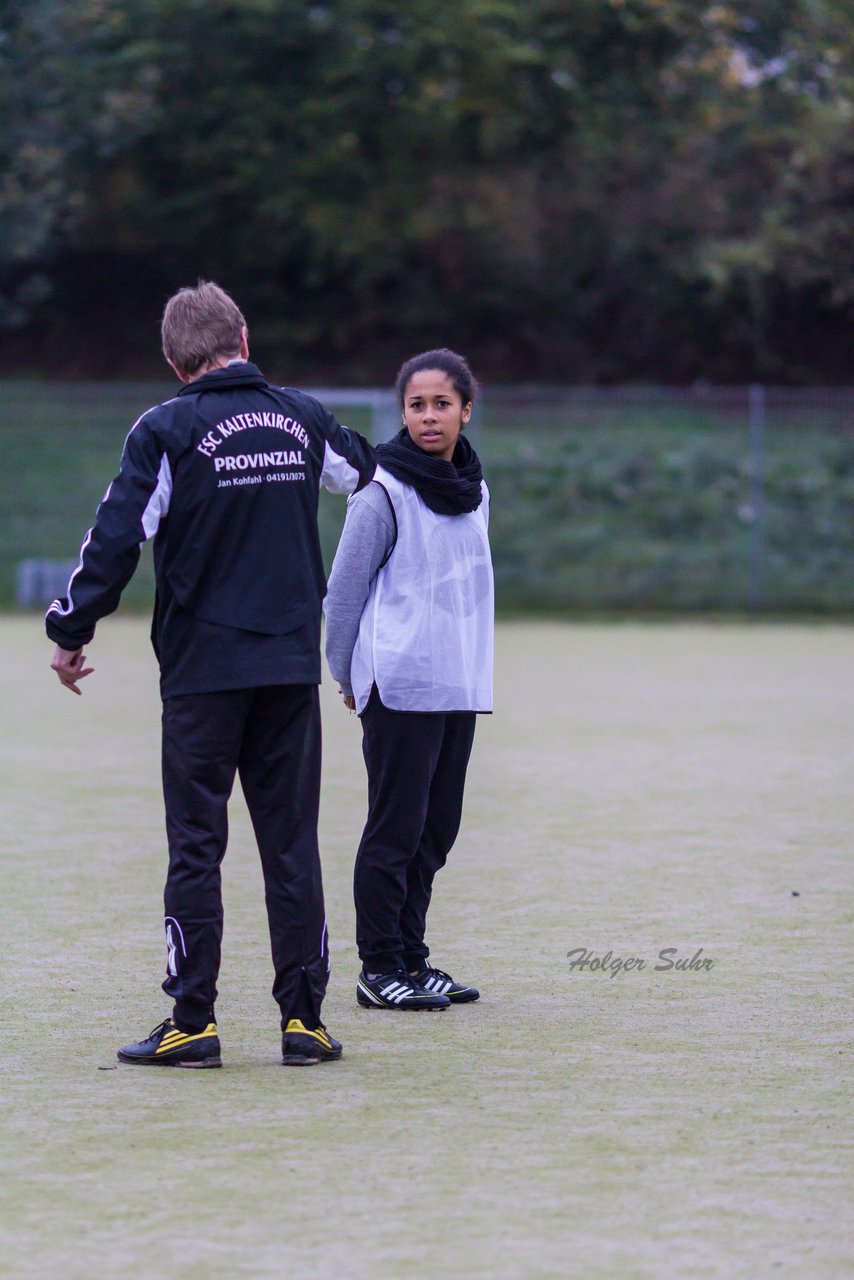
pixel 385 416
pixel 756 435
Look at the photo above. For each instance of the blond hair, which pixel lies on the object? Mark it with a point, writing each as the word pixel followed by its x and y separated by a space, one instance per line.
pixel 200 326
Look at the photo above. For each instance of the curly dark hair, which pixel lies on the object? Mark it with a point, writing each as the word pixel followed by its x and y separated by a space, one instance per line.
pixel 448 362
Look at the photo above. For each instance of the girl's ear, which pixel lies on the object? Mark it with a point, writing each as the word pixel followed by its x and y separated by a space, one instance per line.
pixel 466 414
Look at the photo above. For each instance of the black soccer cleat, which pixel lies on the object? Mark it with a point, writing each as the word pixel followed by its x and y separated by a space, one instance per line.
pixel 169 1047
pixel 396 991
pixel 443 984
pixel 304 1048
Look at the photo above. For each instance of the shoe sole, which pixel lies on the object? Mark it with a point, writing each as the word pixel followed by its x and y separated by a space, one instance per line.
pixel 299 1060
pixel 165 1062
pixel 397 1008
pixel 464 998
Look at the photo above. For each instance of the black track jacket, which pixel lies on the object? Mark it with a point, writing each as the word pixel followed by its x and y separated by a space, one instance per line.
pixel 225 478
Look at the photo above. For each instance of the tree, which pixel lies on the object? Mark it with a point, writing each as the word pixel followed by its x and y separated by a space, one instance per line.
pixel 597 190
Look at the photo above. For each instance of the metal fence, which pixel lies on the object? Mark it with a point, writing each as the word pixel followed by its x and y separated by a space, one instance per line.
pixel 764 474
pixel 626 498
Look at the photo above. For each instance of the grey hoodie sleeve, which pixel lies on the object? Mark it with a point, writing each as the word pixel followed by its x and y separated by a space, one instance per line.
pixel 366 540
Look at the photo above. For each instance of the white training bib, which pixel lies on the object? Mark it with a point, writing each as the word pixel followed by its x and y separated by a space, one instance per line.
pixel 426 633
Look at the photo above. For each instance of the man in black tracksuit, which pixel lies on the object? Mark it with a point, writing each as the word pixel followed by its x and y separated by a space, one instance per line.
pixel 225 478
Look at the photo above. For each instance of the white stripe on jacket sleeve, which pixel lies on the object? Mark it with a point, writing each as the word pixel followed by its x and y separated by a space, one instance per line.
pixel 158 503
pixel 57 607
pixel 338 475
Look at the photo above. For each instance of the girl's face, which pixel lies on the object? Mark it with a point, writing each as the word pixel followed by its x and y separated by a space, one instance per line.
pixel 433 413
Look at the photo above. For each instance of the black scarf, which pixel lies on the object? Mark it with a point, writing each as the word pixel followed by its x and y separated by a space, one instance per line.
pixel 448 488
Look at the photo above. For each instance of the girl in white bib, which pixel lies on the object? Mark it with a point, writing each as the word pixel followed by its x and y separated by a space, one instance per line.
pixel 409 634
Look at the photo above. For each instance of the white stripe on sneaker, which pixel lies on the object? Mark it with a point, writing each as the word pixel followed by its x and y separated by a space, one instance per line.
pixel 396 991
pixel 439 985
pixel 367 991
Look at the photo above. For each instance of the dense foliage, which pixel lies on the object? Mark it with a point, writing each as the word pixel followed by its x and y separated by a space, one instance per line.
pixel 570 189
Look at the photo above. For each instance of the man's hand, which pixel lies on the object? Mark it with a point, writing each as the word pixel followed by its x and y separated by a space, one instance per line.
pixel 349 701
pixel 68 665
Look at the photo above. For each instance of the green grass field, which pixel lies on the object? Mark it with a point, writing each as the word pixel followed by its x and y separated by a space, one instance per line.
pixel 640 788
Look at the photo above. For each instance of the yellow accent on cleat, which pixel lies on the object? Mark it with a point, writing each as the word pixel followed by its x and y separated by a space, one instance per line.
pixel 297 1025
pixel 175 1039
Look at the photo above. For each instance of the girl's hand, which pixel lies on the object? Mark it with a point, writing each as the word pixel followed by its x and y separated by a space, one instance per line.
pixel 349 701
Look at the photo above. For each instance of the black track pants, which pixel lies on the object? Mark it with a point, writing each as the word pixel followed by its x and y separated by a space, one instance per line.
pixel 416 764
pixel 271 736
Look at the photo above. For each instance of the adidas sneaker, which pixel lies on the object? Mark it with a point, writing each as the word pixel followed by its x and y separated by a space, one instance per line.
pixel 441 983
pixel 396 991
pixel 169 1047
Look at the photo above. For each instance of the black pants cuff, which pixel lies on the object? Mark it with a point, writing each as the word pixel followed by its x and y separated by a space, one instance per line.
pixel 191 1019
